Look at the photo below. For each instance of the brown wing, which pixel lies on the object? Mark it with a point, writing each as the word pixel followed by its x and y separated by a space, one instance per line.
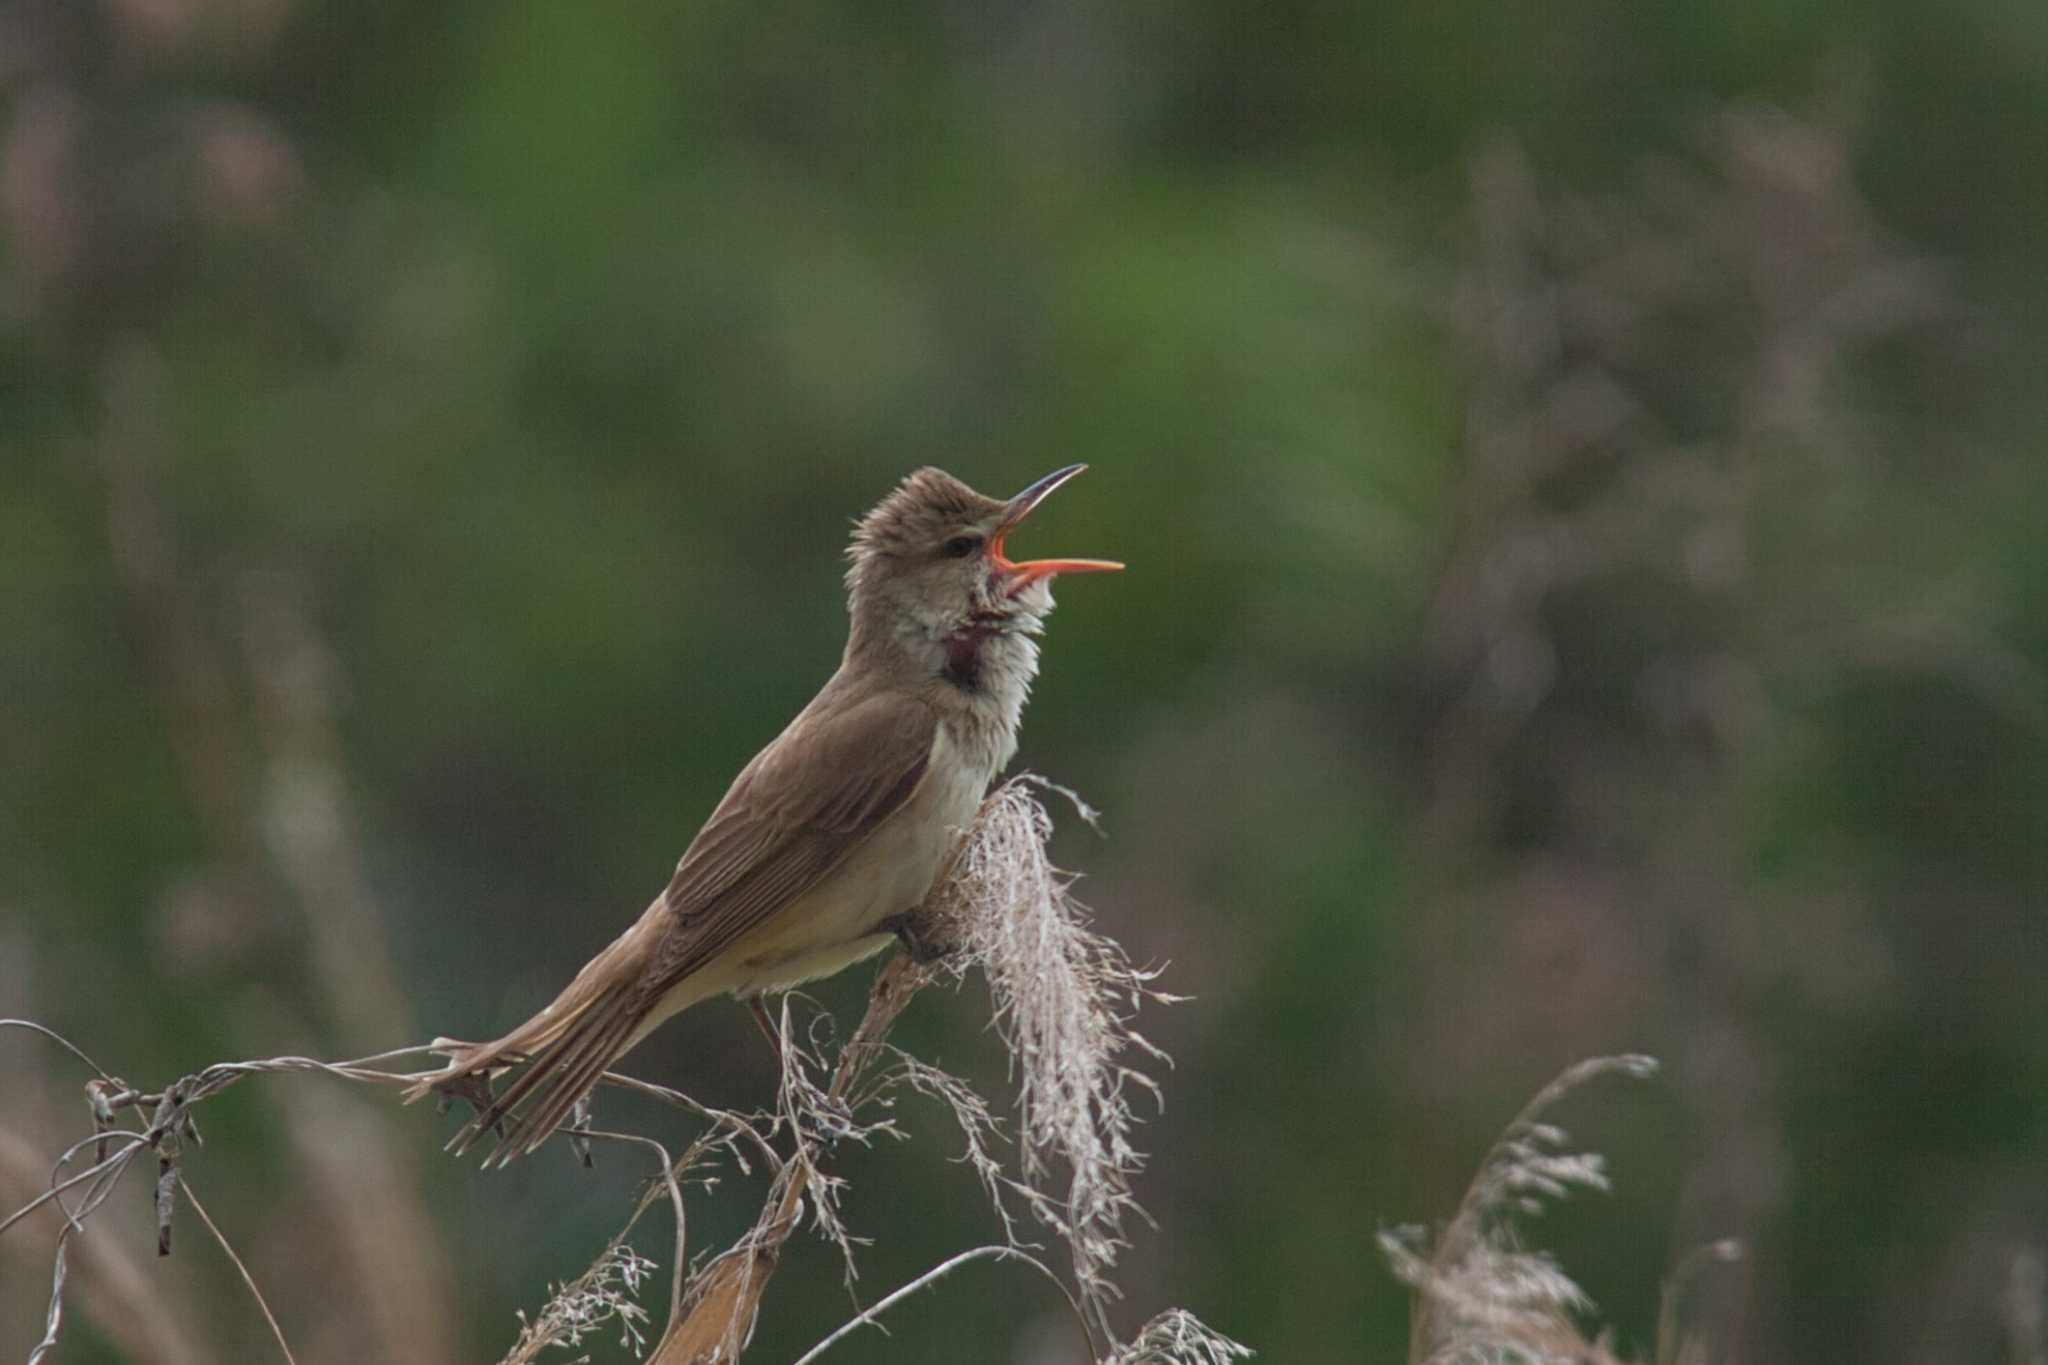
pixel 802 805
pixel 809 799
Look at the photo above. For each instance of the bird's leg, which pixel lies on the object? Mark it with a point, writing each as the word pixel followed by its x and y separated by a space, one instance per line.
pixel 474 1088
pixel 914 932
pixel 579 1125
pixel 767 1023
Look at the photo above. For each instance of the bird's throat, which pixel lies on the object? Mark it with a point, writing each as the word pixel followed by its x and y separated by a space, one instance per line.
pixel 963 655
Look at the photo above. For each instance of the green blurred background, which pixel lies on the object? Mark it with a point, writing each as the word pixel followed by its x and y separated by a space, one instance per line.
pixel 1580 471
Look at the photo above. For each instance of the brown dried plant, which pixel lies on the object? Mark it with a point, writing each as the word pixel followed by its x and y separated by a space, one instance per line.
pixel 1482 1297
pixel 1063 997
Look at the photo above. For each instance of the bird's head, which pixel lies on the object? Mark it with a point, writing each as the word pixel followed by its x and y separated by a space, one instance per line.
pixel 929 572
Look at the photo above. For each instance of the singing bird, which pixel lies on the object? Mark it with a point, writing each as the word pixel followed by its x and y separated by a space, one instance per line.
pixel 834 831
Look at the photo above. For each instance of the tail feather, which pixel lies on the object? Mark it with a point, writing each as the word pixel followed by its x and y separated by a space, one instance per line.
pixel 564 1050
pixel 556 1077
pixel 470 1064
pixel 562 1086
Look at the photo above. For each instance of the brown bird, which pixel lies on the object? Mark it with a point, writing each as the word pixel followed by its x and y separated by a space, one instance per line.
pixel 838 827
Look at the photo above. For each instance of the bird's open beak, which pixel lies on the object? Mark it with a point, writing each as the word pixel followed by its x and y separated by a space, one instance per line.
pixel 1021 576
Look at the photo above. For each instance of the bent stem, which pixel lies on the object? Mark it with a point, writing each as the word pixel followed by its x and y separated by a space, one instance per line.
pixel 723 1300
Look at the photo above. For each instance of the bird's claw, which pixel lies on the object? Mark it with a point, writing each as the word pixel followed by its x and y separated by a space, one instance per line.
pixel 473 1088
pixel 916 934
pixel 578 1129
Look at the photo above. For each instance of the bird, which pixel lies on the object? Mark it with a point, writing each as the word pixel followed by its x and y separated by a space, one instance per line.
pixel 834 831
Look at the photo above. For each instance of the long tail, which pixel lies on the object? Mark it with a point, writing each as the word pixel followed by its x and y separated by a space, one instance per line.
pixel 565 1049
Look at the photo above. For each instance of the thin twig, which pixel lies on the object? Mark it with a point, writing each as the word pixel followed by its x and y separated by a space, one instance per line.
pixel 64 1159
pixel 939 1272
pixel 54 1191
pixel 725 1296
pixel 712 1313
pixel 675 1199
pixel 740 1123
pixel 60 1263
pixel 54 1318
pixel 60 1040
pixel 247 1278
pixel 101 1279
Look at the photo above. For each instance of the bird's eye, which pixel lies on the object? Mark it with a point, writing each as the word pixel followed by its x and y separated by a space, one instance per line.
pixel 959 547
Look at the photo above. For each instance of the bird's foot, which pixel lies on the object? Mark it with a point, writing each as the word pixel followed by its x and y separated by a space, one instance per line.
pixel 474 1089
pixel 922 938
pixel 578 1129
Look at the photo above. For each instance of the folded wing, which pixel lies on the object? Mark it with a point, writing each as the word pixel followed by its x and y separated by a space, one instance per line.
pixel 827 783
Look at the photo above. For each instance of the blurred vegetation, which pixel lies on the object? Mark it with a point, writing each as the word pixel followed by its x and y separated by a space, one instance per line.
pixel 1581 471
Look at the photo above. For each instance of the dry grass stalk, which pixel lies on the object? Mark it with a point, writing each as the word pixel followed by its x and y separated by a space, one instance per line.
pixel 1064 997
pixel 116 1295
pixel 723 1299
pixel 599 1297
pixel 77 1193
pixel 1178 1337
pixel 1482 1297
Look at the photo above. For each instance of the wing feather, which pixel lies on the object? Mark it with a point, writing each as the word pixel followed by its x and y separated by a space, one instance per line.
pixel 797 811
pixel 840 771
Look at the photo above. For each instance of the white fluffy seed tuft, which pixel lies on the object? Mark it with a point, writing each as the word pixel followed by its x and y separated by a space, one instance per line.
pixel 1064 1000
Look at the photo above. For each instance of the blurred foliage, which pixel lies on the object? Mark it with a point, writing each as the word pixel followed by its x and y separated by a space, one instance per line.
pixel 1580 468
